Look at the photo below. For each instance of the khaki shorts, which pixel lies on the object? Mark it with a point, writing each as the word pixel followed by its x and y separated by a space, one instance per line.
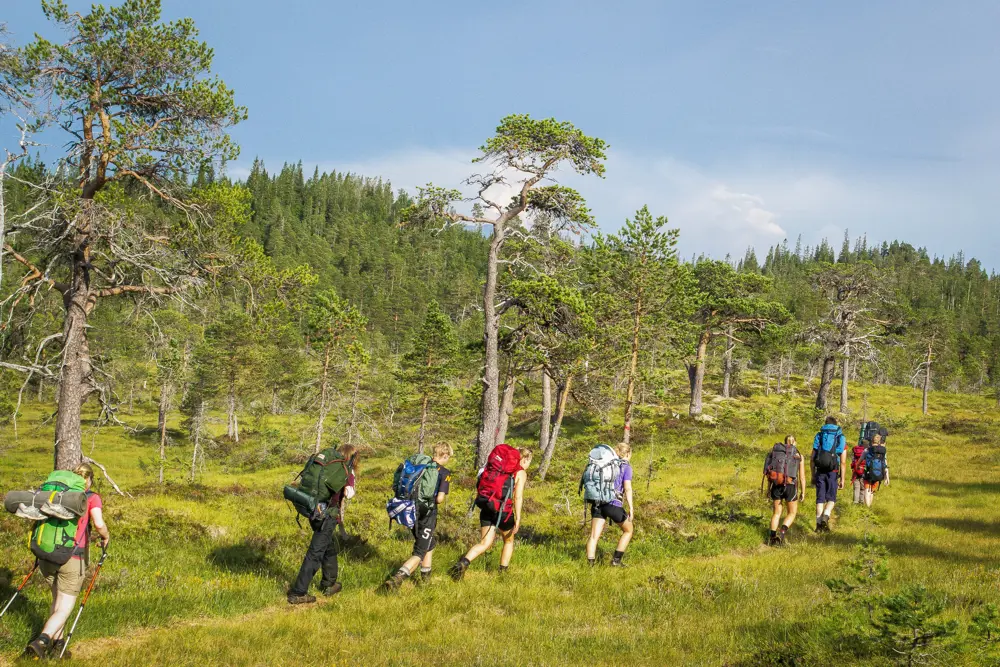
pixel 68 577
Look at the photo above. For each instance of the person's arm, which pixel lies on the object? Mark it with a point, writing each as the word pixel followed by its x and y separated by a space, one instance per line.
pixel 97 516
pixel 522 478
pixel 628 498
pixel 802 478
pixel 843 468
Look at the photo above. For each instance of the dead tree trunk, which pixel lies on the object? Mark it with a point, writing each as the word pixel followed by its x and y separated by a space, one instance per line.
pixel 545 423
pixel 491 368
pixel 632 371
pixel 554 436
pixel 162 425
pixel 506 410
pixel 353 426
pixel 727 364
pixel 423 423
pixel 823 395
pixel 323 407
pixel 845 377
pixel 75 377
pixel 927 377
pixel 196 427
pixel 696 373
pixel 232 421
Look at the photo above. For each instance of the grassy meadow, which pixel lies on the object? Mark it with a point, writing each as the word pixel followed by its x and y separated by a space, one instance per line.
pixel 198 572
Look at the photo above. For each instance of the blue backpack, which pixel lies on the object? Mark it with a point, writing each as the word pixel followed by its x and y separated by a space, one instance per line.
pixel 826 458
pixel 415 482
pixel 875 464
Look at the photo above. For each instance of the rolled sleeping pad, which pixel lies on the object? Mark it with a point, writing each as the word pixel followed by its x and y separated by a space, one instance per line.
pixel 303 502
pixel 74 501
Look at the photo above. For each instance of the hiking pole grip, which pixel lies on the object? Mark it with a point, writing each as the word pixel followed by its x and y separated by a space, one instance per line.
pixel 79 612
pixel 19 589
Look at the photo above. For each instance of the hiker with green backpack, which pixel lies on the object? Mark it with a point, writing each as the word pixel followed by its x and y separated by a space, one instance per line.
pixel 785 473
pixel 61 542
pixel 324 483
pixel 420 485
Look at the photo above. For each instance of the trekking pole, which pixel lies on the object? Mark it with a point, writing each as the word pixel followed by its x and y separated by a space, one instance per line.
pixel 19 588
pixel 104 554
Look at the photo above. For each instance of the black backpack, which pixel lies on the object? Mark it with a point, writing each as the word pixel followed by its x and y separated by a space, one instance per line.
pixel 870 429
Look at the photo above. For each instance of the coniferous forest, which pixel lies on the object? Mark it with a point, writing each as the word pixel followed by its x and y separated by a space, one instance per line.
pixel 197 338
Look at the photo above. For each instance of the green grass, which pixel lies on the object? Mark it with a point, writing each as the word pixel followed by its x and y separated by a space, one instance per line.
pixel 198 573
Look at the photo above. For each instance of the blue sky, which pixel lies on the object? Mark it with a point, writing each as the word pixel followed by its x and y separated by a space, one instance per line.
pixel 744 123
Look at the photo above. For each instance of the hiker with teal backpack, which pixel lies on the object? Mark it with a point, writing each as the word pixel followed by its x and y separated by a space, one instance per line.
pixel 829 467
pixel 325 482
pixel 785 472
pixel 876 468
pixel 61 543
pixel 500 497
pixel 420 485
pixel 606 482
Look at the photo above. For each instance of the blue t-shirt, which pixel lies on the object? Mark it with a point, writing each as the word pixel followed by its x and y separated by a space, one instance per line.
pixel 840 442
pixel 625 476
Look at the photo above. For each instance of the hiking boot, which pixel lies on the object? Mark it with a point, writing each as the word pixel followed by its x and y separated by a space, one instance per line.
pixel 820 525
pixel 457 570
pixel 332 589
pixel 301 599
pixel 38 649
pixel 780 538
pixel 57 649
pixel 393 583
pixel 617 563
pixel 425 577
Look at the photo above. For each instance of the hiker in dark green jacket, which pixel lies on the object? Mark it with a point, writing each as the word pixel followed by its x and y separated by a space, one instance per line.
pixel 322 551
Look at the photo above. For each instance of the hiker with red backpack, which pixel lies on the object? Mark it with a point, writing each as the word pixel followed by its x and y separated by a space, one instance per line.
pixel 828 465
pixel 64 563
pixel 499 496
pixel 785 472
pixel 426 481
pixel 606 482
pixel 325 482
pixel 858 471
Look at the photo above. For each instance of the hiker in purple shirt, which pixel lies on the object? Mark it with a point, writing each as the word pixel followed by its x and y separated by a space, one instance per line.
pixel 601 513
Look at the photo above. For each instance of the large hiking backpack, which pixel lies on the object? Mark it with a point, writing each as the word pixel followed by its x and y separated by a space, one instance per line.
pixel 782 464
pixel 495 486
pixel 415 482
pixel 53 539
pixel 827 460
pixel 870 429
pixel 875 464
pixel 324 474
pixel 599 477
pixel 858 462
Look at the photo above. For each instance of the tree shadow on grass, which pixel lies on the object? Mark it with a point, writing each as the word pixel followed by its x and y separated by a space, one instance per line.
pixel 9 581
pixel 964 525
pixel 916 549
pixel 357 548
pixel 248 557
pixel 937 487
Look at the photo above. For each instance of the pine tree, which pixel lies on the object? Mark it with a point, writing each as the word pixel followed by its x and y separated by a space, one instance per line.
pixel 431 362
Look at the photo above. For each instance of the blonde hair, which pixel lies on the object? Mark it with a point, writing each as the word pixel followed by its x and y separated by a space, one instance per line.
pixel 349 452
pixel 84 470
pixel 442 449
pixel 525 455
pixel 623 449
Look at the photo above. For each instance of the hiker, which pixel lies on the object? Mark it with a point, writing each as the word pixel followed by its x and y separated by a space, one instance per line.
pixel 828 467
pixel 876 469
pixel 498 513
pixel 858 471
pixel 330 475
pixel 614 510
pixel 426 522
pixel 785 471
pixel 66 579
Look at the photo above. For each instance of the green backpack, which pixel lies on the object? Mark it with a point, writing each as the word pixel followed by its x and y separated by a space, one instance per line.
pixel 324 474
pixel 417 479
pixel 54 540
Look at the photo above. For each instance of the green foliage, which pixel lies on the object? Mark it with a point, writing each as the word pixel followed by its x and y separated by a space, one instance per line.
pixel 537 145
pixel 431 361
pixel 866 572
pixel 909 622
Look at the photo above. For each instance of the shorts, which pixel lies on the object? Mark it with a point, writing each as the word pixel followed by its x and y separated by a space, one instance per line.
pixel 67 577
pixel 423 531
pixel 488 517
pixel 608 511
pixel 826 487
pixel 787 492
pixel 872 486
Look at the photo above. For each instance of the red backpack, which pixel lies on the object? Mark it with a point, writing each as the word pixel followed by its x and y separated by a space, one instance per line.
pixel 495 487
pixel 858 464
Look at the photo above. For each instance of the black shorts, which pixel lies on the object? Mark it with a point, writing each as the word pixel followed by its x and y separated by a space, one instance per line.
pixel 488 517
pixel 608 511
pixel 787 492
pixel 423 531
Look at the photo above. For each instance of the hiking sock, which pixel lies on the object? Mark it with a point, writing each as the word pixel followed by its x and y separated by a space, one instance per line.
pixel 402 573
pixel 503 568
pixel 774 533
pixel 618 556
pixel 591 562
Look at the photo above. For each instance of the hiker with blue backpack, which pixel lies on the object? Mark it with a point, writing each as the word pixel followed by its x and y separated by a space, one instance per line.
pixel 785 472
pixel 499 497
pixel 420 486
pixel 325 482
pixel 60 542
pixel 606 482
pixel 829 467
pixel 876 468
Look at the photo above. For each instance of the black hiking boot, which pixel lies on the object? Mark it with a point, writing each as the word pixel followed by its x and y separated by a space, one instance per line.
pixel 394 582
pixel 57 649
pixel 617 563
pixel 38 649
pixel 457 570
pixel 301 599
pixel 820 525
pixel 781 538
pixel 332 589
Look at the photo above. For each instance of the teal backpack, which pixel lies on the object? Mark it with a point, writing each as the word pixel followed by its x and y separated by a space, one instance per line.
pixel 54 540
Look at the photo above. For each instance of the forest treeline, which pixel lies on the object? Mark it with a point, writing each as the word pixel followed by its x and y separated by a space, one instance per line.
pixel 131 269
